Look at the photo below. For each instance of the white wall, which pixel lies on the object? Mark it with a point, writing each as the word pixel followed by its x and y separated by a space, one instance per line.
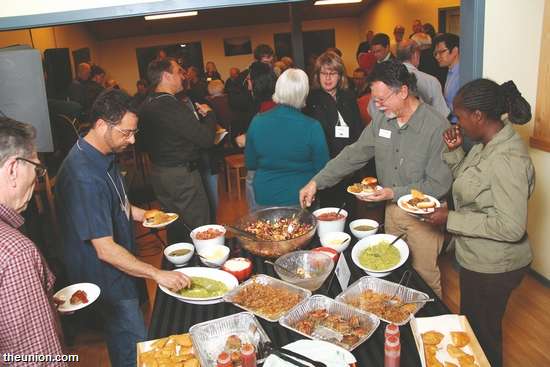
pixel 512 43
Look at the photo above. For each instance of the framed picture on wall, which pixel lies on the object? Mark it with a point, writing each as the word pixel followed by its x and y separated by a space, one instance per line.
pixel 237 46
pixel 186 54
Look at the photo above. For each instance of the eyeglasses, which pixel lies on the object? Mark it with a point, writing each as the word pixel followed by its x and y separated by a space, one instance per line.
pixel 329 75
pixel 440 52
pixel 39 168
pixel 127 134
pixel 383 101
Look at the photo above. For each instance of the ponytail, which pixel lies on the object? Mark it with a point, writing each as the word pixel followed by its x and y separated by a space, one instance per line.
pixel 519 110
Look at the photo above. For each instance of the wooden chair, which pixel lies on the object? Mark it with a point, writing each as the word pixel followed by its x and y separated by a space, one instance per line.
pixel 235 163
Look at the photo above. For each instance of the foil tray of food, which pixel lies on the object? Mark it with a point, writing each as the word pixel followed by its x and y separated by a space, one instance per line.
pixel 267 297
pixel 230 336
pixel 323 318
pixel 374 294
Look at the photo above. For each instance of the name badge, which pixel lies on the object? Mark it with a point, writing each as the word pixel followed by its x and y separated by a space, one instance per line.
pixel 341 131
pixel 385 133
pixel 342 272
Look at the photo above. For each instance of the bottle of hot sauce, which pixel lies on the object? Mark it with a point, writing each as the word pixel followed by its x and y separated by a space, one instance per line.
pixel 391 330
pixel 248 355
pixel 392 351
pixel 224 360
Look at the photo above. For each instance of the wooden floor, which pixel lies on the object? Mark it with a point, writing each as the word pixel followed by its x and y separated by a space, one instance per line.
pixel 526 324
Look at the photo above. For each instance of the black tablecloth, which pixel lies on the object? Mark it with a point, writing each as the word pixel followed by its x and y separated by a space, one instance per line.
pixel 171 316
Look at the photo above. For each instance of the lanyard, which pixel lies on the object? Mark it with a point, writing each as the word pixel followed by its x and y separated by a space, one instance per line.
pixel 122 202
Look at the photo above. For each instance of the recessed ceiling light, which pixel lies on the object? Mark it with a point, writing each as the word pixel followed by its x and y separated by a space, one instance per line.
pixel 336 2
pixel 171 15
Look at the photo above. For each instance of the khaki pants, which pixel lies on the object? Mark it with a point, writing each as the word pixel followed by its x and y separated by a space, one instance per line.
pixel 425 242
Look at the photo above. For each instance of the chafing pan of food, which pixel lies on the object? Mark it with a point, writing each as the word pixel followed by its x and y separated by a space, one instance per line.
pixel 210 338
pixel 372 295
pixel 262 294
pixel 323 318
pixel 303 229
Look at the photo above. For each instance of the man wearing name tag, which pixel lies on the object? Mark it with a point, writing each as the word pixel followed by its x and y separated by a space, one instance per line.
pixel 405 141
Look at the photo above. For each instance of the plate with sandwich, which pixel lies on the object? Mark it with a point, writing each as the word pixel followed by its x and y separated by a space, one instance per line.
pixel 418 203
pixel 155 218
pixel 367 187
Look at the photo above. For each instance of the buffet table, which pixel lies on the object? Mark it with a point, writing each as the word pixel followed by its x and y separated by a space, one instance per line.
pixel 171 316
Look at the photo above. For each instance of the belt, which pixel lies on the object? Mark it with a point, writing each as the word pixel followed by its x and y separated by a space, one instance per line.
pixel 190 165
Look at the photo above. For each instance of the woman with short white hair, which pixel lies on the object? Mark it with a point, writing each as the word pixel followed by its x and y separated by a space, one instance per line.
pixel 285 147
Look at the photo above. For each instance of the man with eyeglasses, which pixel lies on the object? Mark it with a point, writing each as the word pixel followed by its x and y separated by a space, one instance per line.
pixel 96 221
pixel 28 319
pixel 447 54
pixel 406 142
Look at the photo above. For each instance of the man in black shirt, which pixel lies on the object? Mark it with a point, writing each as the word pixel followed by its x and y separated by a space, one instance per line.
pixel 174 135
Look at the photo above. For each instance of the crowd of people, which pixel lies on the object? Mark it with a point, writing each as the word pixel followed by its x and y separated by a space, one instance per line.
pixel 402 115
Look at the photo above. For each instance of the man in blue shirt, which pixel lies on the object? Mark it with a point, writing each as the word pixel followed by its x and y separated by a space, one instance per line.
pixel 97 229
pixel 447 54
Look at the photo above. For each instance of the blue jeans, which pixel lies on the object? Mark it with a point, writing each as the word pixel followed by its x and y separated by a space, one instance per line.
pixel 124 327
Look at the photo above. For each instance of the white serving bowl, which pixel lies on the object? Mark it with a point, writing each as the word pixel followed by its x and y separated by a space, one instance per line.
pixel 374 240
pixel 326 226
pixel 179 260
pixel 199 244
pixel 363 222
pixel 336 240
pixel 213 256
pixel 228 279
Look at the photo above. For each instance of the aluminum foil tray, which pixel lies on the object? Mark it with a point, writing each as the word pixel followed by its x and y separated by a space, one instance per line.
pixel 209 337
pixel 267 280
pixel 369 322
pixel 385 287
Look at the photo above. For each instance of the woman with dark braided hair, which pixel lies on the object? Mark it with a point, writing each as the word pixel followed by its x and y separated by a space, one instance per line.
pixel 493 183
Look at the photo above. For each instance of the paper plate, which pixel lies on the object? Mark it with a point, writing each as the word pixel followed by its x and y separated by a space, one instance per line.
pixel 364 194
pixel 328 353
pixel 92 293
pixel 163 224
pixel 403 204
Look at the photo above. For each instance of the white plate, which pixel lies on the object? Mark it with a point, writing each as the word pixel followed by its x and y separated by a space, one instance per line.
pixel 92 292
pixel 163 224
pixel 364 194
pixel 328 353
pixel 228 279
pixel 402 203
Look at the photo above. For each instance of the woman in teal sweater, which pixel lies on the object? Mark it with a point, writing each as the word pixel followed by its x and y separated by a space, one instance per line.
pixel 285 147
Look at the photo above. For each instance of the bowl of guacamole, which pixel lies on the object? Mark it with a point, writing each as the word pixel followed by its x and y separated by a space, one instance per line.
pixel 208 285
pixel 376 257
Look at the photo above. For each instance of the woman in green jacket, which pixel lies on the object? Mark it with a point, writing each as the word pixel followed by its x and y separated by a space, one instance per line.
pixel 493 183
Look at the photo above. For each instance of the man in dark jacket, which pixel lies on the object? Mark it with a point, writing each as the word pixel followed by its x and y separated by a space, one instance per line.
pixel 174 132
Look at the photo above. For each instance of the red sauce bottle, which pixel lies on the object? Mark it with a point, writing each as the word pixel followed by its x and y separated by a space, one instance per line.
pixel 248 355
pixel 391 330
pixel 392 352
pixel 224 360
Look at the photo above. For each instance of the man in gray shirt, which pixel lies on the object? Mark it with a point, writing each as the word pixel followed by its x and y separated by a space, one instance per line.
pixel 406 142
pixel 429 88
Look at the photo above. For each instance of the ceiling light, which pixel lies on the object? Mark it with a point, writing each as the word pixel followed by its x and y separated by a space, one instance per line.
pixel 336 2
pixel 171 15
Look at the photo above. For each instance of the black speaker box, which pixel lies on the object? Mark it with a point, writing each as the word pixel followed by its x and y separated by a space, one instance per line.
pixel 57 64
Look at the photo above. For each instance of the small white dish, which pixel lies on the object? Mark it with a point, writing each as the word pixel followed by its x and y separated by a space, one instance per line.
pixel 92 293
pixel 338 241
pixel 218 240
pixel 182 259
pixel 402 202
pixel 326 226
pixel 363 222
pixel 173 218
pixel 214 256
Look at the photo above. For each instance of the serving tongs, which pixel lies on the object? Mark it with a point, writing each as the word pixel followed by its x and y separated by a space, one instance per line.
pixel 292 357
pixel 242 232
pixel 392 301
pixel 295 221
